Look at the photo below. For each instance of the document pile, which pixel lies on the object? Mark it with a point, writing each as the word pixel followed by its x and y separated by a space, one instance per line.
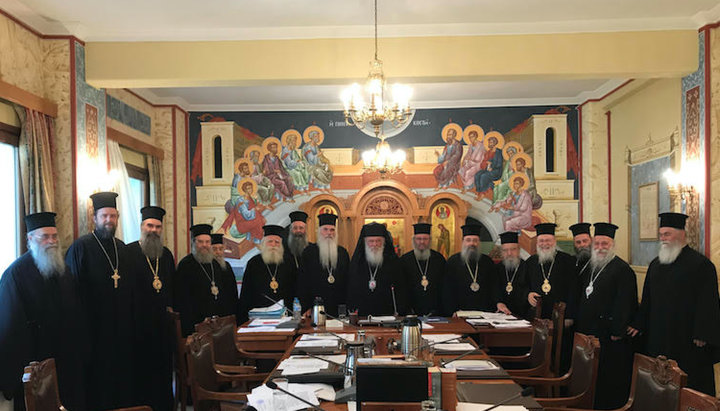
pixel 472 365
pixel 274 311
pixel 497 320
pixel 266 399
pixel 321 341
pixel 267 325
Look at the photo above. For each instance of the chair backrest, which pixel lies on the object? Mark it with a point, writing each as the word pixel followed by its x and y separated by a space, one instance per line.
pixel 542 340
pixel 583 369
pixel 558 320
pixel 175 325
pixel 691 400
pixel 41 386
pixel 201 367
pixel 656 383
pixel 223 331
pixel 538 307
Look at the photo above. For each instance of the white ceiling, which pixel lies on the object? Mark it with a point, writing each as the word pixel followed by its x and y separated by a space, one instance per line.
pixel 172 20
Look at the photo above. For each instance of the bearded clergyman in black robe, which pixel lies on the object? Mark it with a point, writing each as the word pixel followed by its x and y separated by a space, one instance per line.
pixel 679 313
pixel 375 285
pixel 324 268
pixel 551 272
pixel 511 281
pixel 296 239
pixel 268 276
pixel 469 278
pixel 99 263
pixel 41 317
pixel 202 288
pixel 217 244
pixel 582 243
pixel 154 268
pixel 424 270
pixel 608 303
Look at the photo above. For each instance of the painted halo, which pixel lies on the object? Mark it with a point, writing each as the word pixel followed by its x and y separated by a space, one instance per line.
pixel 498 136
pixel 523 177
pixel 287 134
pixel 247 180
pixel 268 141
pixel 251 148
pixel 244 160
pixel 306 134
pixel 451 126
pixel 473 127
pixel 512 144
pixel 524 156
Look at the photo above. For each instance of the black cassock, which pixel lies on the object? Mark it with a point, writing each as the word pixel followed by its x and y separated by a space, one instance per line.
pixel 605 312
pixel 562 279
pixel 313 280
pixel 39 319
pixel 379 301
pixel 153 340
pixel 679 304
pixel 256 285
pixel 192 296
pixel 516 299
pixel 457 294
pixel 424 300
pixel 110 314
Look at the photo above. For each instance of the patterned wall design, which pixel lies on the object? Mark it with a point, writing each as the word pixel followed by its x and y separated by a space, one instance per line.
pixel 693 120
pixel 642 252
pixel 125 114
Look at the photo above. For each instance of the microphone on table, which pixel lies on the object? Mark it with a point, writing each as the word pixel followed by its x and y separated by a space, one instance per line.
pixel 274 386
pixel 395 311
pixel 278 302
pixel 421 347
pixel 526 392
pixel 443 363
pixel 326 360
pixel 346 322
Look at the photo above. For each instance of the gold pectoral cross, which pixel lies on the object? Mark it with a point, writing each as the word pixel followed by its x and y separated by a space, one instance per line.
pixel 115 277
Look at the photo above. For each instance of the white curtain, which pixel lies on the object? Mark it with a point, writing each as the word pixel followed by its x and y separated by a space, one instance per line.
pixel 129 228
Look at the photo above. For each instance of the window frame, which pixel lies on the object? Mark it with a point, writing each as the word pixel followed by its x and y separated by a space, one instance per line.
pixel 142 174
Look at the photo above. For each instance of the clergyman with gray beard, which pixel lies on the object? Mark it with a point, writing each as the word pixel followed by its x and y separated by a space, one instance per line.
pixel 424 270
pixel 202 288
pixel 551 272
pixel 99 262
pixel 268 275
pixel 324 268
pixel 607 304
pixel 679 313
pixel 54 308
pixel 511 281
pixel 154 268
pixel 469 276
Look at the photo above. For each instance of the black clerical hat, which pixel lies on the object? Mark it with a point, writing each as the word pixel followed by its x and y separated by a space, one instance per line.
pixel 374 230
pixel 39 220
pixel 472 221
pixel 104 199
pixel 298 216
pixel 606 229
pixel 200 229
pixel 326 219
pixel 581 228
pixel 422 228
pixel 673 220
pixel 509 237
pixel 216 238
pixel 271 229
pixel 471 229
pixel 152 212
pixel 545 228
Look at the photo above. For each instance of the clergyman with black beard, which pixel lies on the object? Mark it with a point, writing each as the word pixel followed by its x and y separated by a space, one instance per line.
pixel 324 268
pixel 469 278
pixel 202 288
pixel 99 262
pixel 582 242
pixel 154 268
pixel 41 316
pixel 297 238
pixel 511 281
pixel 267 274
pixel 424 269
pixel 607 305
pixel 679 313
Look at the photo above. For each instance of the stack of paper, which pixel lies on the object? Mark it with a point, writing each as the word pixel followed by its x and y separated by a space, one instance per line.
pixel 433 338
pixel 266 399
pixel 468 406
pixel 454 347
pixel 510 324
pixel 274 311
pixel 472 365
pixel 301 365
pixel 309 337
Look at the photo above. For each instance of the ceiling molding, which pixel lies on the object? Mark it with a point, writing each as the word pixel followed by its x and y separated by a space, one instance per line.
pixel 704 18
pixel 155 100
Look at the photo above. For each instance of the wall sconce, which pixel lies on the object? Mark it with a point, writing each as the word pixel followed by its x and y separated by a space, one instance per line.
pixel 689 180
pixel 94 177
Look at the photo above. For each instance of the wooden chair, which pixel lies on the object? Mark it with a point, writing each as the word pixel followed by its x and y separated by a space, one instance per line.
pixel 179 362
pixel 536 363
pixel 558 320
pixel 41 388
pixel 691 400
pixel 205 378
pixel 657 384
pixel 579 380
pixel 227 353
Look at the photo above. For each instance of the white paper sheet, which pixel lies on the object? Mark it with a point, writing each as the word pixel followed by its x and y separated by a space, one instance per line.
pixel 468 406
pixel 454 347
pixel 472 365
pixel 440 337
